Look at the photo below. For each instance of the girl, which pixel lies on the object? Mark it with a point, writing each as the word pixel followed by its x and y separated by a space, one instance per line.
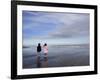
pixel 45 49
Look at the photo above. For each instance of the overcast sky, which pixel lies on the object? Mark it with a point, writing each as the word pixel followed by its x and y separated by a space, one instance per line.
pixel 55 28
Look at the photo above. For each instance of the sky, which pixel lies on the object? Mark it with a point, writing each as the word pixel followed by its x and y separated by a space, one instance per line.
pixel 55 28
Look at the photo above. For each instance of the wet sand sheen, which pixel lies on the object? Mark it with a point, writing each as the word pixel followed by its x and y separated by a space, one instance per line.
pixel 58 56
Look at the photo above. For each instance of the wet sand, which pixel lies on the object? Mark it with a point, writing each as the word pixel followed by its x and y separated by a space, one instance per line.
pixel 58 56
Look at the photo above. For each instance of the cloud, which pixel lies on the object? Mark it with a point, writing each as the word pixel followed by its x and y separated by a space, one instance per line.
pixel 75 25
pixel 53 26
pixel 63 24
pixel 38 23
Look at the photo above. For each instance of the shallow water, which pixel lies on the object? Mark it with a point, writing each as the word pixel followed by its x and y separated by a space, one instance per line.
pixel 58 56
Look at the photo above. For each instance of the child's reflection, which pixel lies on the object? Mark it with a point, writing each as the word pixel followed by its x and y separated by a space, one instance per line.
pixel 38 62
pixel 43 62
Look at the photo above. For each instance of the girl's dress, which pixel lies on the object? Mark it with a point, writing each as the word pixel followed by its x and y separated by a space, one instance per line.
pixel 45 49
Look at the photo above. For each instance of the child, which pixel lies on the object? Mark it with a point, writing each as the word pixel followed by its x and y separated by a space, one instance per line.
pixel 39 48
pixel 45 49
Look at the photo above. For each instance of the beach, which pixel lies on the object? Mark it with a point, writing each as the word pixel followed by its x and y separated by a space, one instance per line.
pixel 58 56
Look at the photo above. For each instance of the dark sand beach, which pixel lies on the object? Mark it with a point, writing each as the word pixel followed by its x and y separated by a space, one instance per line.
pixel 58 56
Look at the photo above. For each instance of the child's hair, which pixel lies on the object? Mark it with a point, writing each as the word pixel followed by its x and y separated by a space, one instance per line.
pixel 45 44
pixel 38 44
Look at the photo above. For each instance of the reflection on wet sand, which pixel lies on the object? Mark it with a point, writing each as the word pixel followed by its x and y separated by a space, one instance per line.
pixel 58 56
pixel 42 61
pixel 38 62
pixel 45 62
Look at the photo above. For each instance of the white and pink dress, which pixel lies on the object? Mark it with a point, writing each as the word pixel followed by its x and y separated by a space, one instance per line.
pixel 45 49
